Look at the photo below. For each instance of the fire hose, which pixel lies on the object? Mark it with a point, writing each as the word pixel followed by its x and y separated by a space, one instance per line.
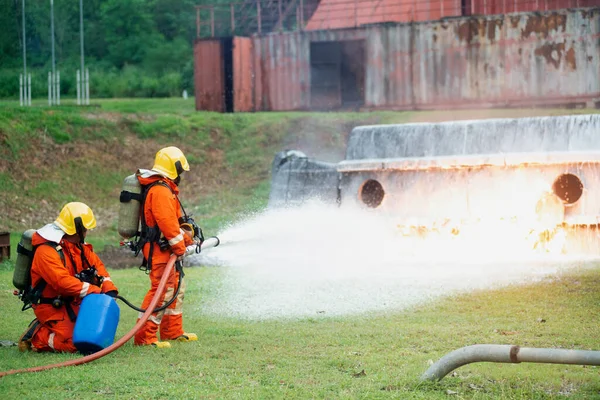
pixel 210 242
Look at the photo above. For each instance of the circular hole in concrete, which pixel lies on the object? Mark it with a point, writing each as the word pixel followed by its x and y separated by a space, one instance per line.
pixel 371 193
pixel 568 188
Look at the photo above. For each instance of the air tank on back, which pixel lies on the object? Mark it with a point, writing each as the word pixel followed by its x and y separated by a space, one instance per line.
pixel 21 277
pixel 129 207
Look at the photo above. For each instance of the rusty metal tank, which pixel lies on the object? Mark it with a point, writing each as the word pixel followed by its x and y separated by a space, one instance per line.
pixel 541 170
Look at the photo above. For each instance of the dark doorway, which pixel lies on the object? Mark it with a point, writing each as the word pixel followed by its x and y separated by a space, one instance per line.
pixel 337 74
pixel 227 48
pixel 465 7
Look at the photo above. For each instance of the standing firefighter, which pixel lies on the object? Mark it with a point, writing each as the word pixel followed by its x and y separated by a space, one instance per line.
pixel 164 232
pixel 64 270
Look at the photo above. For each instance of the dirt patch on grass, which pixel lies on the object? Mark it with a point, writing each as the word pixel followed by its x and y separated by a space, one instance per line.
pixel 115 257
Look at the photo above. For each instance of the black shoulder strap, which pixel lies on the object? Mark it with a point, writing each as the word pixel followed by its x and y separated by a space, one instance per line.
pixel 35 292
pixel 148 234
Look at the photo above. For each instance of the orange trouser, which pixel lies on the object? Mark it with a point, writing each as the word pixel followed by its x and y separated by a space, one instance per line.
pixel 55 334
pixel 170 321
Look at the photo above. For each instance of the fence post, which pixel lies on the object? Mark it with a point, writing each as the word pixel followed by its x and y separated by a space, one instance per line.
pixel 29 90
pixel 87 86
pixel 78 78
pixel 21 90
pixel 57 88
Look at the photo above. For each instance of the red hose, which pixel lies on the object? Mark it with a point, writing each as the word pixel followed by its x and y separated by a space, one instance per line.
pixel 115 345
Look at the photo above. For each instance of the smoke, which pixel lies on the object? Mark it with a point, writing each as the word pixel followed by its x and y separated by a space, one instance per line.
pixel 319 260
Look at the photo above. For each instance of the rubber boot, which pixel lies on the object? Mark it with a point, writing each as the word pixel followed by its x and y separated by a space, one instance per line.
pixel 25 339
pixel 161 345
pixel 187 337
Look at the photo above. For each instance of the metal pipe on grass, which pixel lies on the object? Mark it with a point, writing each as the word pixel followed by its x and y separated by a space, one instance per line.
pixel 504 353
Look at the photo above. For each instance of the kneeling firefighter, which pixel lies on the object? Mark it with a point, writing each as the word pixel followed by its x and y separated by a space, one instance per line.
pixel 165 229
pixel 63 270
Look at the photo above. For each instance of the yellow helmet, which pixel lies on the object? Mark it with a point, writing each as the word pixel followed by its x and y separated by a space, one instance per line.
pixel 170 162
pixel 68 218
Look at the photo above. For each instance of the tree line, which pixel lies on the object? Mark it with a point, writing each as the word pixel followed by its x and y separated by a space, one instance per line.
pixel 133 48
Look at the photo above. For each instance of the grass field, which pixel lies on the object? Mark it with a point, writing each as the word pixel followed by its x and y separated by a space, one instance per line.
pixel 375 356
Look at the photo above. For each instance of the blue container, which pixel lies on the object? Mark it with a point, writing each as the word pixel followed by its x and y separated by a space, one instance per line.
pixel 96 323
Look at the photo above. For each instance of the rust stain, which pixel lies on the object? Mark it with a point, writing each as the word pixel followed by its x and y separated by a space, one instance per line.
pixel 543 25
pixel 434 38
pixel 472 28
pixel 491 29
pixel 552 52
pixel 514 22
pixel 590 58
pixel 467 30
pixel 570 58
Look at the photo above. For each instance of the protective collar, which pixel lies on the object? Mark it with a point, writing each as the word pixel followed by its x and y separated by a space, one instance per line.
pixel 147 173
pixel 51 232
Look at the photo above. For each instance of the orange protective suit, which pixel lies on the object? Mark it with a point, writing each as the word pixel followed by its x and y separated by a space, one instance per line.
pixel 55 332
pixel 162 209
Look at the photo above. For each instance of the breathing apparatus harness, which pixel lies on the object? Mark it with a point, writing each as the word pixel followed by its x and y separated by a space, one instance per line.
pixel 153 234
pixel 33 295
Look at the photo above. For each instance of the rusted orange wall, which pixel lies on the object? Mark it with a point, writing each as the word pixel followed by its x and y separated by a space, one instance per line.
pixel 485 61
pixel 243 72
pixel 488 7
pixel 208 75
pixel 521 59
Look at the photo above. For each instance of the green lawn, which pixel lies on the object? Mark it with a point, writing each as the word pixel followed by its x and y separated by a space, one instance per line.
pixel 91 149
pixel 382 356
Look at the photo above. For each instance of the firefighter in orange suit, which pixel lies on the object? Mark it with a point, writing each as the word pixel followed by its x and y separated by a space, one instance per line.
pixel 65 269
pixel 161 217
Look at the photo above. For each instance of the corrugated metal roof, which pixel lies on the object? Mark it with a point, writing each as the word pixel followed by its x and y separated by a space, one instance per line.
pixel 335 14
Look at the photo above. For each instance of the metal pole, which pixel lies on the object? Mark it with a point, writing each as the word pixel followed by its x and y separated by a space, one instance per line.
pixel 197 22
pixel 49 88
pixel 258 15
pixel 21 89
pixel 52 40
pixel 212 21
pixel 24 45
pixel 78 88
pixel 81 36
pixel 279 12
pixel 232 12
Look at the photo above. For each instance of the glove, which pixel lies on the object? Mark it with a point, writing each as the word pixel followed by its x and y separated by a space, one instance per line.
pixel 112 293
